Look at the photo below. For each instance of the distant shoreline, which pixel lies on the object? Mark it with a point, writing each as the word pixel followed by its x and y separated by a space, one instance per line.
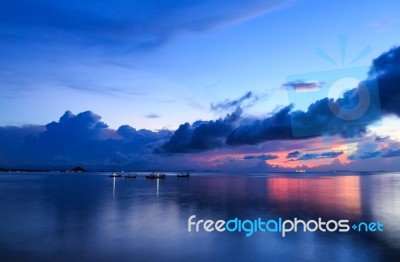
pixel 23 170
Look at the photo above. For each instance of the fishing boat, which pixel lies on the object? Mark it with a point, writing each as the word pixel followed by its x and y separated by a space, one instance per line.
pixel 155 176
pixel 115 175
pixel 134 175
pixel 183 175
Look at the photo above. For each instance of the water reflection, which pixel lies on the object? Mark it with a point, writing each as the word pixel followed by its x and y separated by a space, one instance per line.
pixel 327 196
pixel 382 198
pixel 158 185
pixel 87 218
pixel 113 187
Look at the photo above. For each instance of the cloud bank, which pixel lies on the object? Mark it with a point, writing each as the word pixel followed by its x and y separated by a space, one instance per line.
pixel 201 135
pixel 76 139
pixel 324 117
pixel 84 139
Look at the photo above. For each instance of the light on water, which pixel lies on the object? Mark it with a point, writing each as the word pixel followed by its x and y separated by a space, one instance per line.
pixel 158 185
pixel 113 187
pixel 89 217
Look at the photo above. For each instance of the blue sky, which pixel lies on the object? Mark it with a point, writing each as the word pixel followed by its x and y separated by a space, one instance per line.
pixel 66 64
pixel 158 64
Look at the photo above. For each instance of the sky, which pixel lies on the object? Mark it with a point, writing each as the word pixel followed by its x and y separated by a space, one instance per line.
pixel 246 86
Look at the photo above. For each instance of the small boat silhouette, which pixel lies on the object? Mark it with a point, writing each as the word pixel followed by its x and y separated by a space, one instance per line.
pixel 131 176
pixel 155 176
pixel 183 175
pixel 115 175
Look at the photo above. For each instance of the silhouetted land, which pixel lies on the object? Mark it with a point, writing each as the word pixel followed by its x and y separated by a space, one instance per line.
pixel 78 169
pixel 75 169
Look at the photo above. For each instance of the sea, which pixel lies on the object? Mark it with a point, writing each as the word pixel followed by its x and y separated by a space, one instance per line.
pixel 93 217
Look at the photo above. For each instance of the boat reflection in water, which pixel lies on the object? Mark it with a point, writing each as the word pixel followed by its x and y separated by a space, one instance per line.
pixel 86 218
pixel 155 176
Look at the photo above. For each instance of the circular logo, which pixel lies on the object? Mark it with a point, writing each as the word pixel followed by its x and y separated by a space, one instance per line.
pixel 340 87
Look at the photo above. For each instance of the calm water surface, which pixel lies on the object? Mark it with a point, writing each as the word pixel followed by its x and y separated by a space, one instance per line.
pixel 92 217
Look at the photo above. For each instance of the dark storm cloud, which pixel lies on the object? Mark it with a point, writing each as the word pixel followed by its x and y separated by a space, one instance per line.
pixel 84 126
pixel 318 120
pixel 129 133
pixel 137 23
pixel 77 139
pixel 260 157
pixel 330 117
pixel 201 135
pixel 12 140
pixel 278 126
pixel 84 138
pixel 386 69
pixel 324 117
pixel 14 133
